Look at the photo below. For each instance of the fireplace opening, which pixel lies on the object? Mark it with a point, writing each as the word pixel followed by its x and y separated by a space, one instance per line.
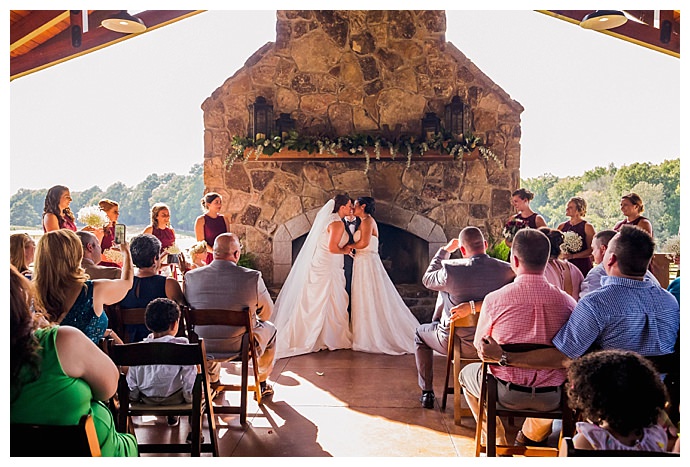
pixel 404 255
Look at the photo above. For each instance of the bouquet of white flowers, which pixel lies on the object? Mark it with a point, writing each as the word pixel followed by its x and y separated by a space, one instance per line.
pixel 114 256
pixel 572 242
pixel 93 216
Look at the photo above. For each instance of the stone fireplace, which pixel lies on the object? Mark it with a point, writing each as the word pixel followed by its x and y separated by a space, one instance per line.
pixel 353 72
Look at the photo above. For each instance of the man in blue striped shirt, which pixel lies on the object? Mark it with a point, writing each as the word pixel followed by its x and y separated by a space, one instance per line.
pixel 626 313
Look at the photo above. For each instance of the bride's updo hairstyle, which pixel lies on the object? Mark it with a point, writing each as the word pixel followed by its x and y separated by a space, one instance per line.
pixel 340 200
pixel 369 204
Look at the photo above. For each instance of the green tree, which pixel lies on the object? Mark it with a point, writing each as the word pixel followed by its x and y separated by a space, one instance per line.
pixel 23 214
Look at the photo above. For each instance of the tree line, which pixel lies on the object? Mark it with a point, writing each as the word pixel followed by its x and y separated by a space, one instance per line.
pixel 182 193
pixel 601 187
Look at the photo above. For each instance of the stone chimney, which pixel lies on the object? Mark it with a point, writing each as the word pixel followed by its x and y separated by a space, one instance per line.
pixel 340 73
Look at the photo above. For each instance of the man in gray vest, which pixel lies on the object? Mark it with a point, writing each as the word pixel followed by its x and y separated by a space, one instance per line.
pixel 225 285
pixel 459 280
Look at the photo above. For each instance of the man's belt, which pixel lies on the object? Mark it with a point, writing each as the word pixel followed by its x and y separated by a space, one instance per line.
pixel 528 389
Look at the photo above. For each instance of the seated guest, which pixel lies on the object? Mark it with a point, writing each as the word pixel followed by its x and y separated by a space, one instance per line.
pixel 225 285
pixel 162 384
pixel 22 250
pixel 626 313
pixel 562 274
pixel 92 258
pixel 56 211
pixel 64 291
pixel 457 281
pixel 198 255
pixel 529 310
pixel 592 280
pixel 57 375
pixel 621 398
pixel 148 284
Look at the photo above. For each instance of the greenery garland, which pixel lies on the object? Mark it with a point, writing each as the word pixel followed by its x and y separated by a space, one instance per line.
pixel 443 142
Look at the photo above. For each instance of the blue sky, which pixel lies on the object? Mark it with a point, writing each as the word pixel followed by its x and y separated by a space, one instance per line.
pixel 131 109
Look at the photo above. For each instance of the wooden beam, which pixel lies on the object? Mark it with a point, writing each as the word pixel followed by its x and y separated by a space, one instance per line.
pixel 34 24
pixel 637 33
pixel 59 49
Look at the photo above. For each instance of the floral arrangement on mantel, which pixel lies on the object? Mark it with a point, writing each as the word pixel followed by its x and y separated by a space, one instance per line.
pixel 444 143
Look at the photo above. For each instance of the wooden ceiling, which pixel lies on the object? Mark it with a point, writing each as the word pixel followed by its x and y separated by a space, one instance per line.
pixel 642 33
pixel 43 38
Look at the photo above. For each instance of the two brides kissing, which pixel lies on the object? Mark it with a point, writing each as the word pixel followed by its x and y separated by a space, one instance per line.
pixel 311 311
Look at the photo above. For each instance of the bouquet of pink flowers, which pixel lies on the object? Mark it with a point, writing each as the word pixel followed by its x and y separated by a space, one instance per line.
pixel 512 227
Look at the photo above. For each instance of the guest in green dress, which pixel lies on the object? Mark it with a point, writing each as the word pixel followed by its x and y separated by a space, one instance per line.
pixel 58 375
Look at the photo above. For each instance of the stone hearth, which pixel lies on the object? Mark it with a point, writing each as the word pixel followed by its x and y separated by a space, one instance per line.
pixel 340 73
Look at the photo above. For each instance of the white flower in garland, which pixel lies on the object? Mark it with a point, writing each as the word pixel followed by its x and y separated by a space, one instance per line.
pixel 572 242
pixel 93 216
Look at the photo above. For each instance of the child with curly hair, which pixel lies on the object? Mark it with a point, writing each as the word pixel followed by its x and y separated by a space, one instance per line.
pixel 622 398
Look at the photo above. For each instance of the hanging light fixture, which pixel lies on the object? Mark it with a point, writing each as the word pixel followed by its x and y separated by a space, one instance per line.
pixel 454 116
pixel 431 125
pixel 125 23
pixel 603 19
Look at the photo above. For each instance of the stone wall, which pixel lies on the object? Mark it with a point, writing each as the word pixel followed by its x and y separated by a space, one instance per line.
pixel 348 72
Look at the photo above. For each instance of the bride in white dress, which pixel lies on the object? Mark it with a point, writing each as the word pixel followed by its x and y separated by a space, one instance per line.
pixel 310 313
pixel 381 322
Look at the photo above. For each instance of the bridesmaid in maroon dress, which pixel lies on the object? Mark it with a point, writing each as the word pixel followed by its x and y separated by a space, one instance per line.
pixel 632 208
pixel 520 201
pixel 160 228
pixel 56 211
pixel 576 209
pixel 212 223
pixel 112 210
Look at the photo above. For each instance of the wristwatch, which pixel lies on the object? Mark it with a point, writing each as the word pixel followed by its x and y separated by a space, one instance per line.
pixel 504 359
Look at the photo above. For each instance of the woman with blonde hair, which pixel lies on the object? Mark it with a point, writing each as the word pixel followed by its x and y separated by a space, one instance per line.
pixel 112 210
pixel 212 223
pixel 632 208
pixel 576 209
pixel 22 251
pixel 64 291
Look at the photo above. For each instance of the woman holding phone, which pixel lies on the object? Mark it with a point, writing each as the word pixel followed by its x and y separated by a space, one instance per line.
pixel 64 291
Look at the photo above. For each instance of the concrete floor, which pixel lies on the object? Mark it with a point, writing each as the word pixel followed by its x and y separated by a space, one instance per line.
pixel 337 404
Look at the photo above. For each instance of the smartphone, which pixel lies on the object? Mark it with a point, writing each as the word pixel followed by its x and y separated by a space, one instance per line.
pixel 120 230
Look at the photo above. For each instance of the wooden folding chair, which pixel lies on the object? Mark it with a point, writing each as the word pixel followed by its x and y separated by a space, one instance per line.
pixel 489 409
pixel 244 318
pixel 167 353
pixel 79 440
pixel 568 450
pixel 123 317
pixel 468 315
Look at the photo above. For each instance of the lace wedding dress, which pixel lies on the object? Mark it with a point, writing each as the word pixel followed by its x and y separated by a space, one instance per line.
pixel 381 322
pixel 310 313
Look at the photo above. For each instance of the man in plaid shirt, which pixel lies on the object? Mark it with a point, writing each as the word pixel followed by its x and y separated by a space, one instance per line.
pixel 529 310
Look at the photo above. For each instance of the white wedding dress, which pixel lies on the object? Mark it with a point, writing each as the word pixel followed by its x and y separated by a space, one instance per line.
pixel 310 313
pixel 381 322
